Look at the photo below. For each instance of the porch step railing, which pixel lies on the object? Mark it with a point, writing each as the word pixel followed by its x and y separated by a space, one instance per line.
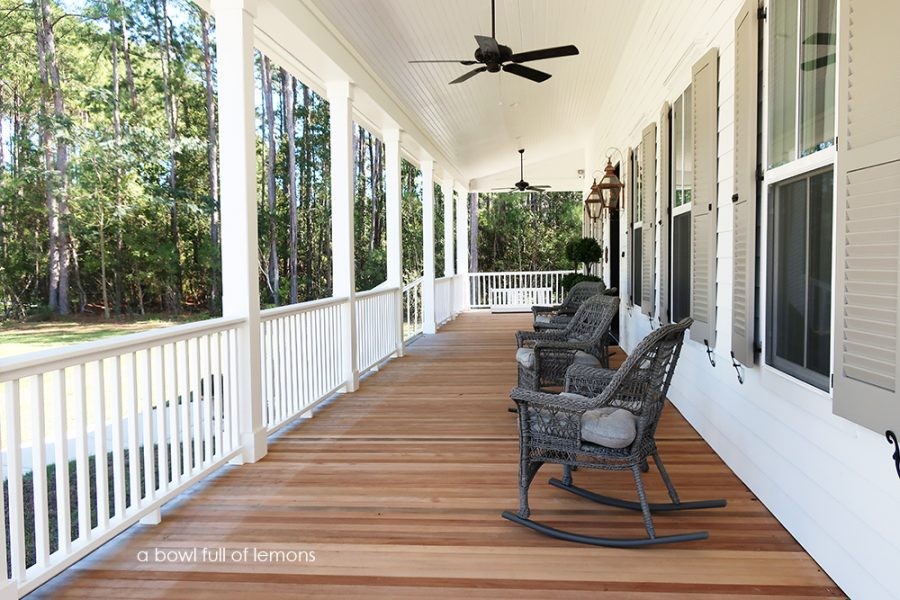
pixel 515 290
pixel 99 435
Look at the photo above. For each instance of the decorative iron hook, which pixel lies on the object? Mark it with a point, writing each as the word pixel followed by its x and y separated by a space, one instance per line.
pixel 892 439
pixel 737 367
pixel 709 353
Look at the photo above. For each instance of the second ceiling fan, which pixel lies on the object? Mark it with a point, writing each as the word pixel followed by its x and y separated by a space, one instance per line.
pixel 496 57
pixel 522 185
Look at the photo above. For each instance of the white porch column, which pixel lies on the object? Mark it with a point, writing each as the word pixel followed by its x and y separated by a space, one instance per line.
pixel 394 223
pixel 447 191
pixel 343 264
pixel 237 165
pixel 428 323
pixel 462 248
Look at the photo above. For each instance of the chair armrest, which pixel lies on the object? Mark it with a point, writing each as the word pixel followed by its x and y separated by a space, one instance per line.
pixel 553 325
pixel 525 339
pixel 542 400
pixel 587 381
pixel 538 310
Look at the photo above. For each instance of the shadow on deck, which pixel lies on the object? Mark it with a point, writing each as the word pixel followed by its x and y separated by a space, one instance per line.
pixel 397 489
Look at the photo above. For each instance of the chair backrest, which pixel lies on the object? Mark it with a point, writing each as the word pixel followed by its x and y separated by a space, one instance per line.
pixel 592 321
pixel 642 382
pixel 580 292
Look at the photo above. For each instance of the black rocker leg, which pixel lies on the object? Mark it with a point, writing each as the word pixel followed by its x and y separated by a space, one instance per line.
pixel 567 475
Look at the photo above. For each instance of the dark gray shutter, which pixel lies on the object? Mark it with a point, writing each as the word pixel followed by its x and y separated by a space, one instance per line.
pixel 630 218
pixel 746 41
pixel 648 236
pixel 867 244
pixel 662 220
pixel 704 83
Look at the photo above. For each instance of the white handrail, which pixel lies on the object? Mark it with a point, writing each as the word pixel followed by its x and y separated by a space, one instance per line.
pixel 301 307
pixel 34 363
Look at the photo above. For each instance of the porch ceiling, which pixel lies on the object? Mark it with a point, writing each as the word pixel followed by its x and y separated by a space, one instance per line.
pixel 481 123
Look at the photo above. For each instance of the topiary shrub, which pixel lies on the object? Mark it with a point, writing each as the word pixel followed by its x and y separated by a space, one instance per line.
pixel 584 251
pixel 570 279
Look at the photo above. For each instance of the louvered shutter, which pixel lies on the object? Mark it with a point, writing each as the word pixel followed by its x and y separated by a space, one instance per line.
pixel 867 244
pixel 662 220
pixel 705 80
pixel 648 236
pixel 746 41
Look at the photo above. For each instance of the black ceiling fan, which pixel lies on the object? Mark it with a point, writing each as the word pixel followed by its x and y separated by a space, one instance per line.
pixel 522 185
pixel 496 57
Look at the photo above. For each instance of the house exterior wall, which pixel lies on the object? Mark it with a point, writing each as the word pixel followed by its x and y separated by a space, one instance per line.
pixel 829 481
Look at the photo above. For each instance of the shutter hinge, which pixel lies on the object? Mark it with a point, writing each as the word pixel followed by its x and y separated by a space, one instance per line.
pixel 760 174
pixel 836 147
pixel 832 380
pixel 735 197
pixel 762 13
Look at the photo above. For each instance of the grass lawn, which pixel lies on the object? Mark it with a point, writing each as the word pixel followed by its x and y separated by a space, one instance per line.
pixel 18 338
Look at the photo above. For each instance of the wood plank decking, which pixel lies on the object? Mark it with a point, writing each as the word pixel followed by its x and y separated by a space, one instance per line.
pixel 398 490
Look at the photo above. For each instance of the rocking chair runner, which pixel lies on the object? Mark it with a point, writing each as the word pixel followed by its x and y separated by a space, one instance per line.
pixel 551 430
pixel 544 356
pixel 558 316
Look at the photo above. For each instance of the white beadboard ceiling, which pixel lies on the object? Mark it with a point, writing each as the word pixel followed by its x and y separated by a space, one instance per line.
pixel 481 123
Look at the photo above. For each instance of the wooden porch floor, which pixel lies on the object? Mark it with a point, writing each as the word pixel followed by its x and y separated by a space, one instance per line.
pixel 398 490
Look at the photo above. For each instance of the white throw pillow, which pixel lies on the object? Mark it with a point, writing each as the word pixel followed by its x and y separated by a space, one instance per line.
pixel 525 357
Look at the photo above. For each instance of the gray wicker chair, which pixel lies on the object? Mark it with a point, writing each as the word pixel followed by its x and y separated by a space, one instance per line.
pixel 543 356
pixel 558 316
pixel 551 431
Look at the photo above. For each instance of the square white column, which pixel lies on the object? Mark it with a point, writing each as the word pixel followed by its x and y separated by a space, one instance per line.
pixel 342 235
pixel 237 166
pixel 462 248
pixel 428 322
pixel 449 258
pixel 392 174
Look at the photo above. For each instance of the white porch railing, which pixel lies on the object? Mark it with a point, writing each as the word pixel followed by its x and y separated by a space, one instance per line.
pixel 412 309
pixel 443 299
pixel 159 409
pixel 301 351
pixel 515 290
pixel 376 326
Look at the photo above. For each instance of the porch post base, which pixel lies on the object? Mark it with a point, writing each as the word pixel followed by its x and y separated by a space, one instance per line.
pixel 154 517
pixel 254 446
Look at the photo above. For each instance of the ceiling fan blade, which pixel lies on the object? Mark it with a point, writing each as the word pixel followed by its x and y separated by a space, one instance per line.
pixel 488 45
pixel 544 53
pixel 505 189
pixel 461 62
pixel 526 72
pixel 538 188
pixel 469 75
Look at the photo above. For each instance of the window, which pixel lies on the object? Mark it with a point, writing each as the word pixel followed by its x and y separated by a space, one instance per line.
pixel 802 52
pixel 637 225
pixel 801 122
pixel 682 173
pixel 799 323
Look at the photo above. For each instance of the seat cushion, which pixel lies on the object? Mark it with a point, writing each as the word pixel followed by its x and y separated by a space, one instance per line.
pixel 525 357
pixel 608 426
pixel 542 319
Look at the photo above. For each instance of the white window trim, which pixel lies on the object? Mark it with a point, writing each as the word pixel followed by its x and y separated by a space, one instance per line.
pixel 812 162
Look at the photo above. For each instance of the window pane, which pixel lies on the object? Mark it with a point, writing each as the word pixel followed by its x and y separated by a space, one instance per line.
pixel 678 149
pixel 681 266
pixel 636 267
pixel 818 328
pixel 790 272
pixel 782 82
pixel 688 173
pixel 817 70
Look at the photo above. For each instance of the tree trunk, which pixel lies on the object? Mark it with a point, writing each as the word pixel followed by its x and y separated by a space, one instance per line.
pixel 473 232
pixel 126 50
pixel 82 295
pixel 62 161
pixel 117 132
pixel 288 94
pixel 307 189
pixel 103 268
pixel 164 40
pixel 212 151
pixel 270 176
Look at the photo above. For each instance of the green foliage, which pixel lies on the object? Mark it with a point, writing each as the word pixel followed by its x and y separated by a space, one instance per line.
pixel 570 279
pixel 526 231
pixel 584 251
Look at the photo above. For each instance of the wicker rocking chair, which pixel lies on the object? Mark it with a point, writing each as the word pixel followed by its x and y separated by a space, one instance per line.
pixel 552 430
pixel 558 316
pixel 544 356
